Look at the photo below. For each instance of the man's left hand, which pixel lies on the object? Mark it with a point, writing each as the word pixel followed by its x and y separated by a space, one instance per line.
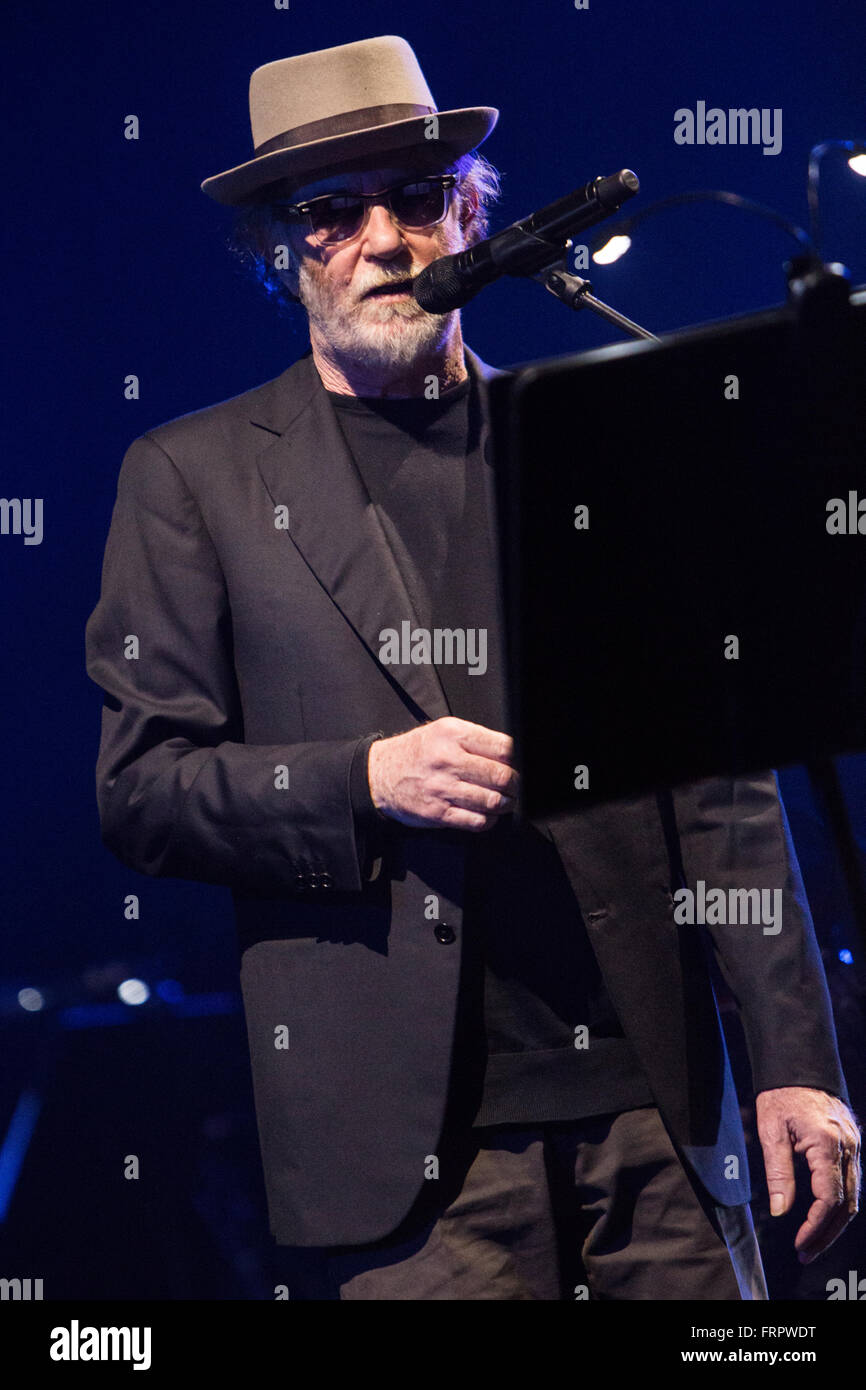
pixel 798 1119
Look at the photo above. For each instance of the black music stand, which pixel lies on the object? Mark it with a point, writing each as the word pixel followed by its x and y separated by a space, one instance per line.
pixel 706 461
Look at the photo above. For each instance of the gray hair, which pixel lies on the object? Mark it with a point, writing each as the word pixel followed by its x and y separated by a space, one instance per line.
pixel 256 230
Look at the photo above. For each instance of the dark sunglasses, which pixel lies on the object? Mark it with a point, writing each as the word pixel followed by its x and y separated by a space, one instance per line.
pixel 339 217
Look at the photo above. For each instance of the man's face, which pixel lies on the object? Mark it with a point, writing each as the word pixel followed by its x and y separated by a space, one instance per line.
pixel 356 293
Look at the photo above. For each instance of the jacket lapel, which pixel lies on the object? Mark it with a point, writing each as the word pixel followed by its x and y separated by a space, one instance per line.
pixel 333 523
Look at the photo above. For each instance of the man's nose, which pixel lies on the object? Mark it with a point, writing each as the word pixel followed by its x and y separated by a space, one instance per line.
pixel 382 234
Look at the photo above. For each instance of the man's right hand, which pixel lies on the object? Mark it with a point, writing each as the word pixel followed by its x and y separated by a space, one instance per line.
pixel 449 773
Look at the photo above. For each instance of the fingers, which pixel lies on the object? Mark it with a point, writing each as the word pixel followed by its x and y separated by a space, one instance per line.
pixel 475 807
pixel 778 1162
pixel 457 817
pixel 496 779
pixel 448 772
pixel 822 1226
pixel 476 738
pixel 835 1169
pixel 821 1127
pixel 851 1177
pixel 484 785
pixel 827 1217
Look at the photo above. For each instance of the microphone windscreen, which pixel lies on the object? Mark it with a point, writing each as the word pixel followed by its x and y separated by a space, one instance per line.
pixel 439 288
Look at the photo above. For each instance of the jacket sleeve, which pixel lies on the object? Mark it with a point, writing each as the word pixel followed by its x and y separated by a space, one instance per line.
pixel 179 792
pixel 733 834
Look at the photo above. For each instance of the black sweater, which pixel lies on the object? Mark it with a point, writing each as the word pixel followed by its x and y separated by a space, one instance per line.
pixel 529 975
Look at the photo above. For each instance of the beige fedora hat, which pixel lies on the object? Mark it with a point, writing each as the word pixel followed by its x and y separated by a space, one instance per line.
pixel 320 109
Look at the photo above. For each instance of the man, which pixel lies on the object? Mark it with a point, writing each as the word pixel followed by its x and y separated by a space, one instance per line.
pixel 487 1064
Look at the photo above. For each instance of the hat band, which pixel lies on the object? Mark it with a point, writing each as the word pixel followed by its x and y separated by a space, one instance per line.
pixel 344 123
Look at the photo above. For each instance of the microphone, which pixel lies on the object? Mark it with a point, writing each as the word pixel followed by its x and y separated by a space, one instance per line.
pixel 524 248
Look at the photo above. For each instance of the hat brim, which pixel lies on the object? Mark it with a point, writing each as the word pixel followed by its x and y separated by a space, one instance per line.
pixel 461 131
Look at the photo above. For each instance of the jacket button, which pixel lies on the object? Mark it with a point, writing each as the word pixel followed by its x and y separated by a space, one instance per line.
pixel 444 933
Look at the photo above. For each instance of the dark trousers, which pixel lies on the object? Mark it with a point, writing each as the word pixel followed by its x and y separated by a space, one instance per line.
pixel 600 1208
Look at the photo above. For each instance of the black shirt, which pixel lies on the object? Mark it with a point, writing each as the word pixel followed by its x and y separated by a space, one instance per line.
pixel 529 976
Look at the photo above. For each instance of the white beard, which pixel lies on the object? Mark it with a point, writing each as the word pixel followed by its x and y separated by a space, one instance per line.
pixel 378 333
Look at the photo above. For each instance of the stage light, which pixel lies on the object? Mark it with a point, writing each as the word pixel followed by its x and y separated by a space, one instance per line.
pixel 613 248
pixel 31 1000
pixel 133 992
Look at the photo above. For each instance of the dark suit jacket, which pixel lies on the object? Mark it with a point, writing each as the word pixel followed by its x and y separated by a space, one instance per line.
pixel 257 651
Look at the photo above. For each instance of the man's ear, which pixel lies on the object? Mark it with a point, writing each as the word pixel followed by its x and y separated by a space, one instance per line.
pixel 468 209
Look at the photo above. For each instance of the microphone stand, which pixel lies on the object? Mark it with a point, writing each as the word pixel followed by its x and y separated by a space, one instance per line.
pixel 573 291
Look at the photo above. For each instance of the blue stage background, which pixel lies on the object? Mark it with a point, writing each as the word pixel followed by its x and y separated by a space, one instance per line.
pixel 117 264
